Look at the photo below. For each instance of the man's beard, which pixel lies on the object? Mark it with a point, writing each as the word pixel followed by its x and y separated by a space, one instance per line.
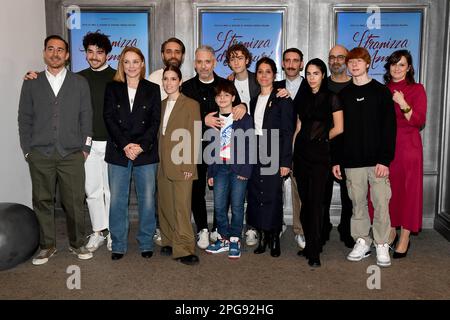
pixel 340 69
pixel 173 62
pixel 98 61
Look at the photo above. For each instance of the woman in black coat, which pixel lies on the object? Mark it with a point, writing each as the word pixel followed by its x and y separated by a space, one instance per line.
pixel 132 116
pixel 274 129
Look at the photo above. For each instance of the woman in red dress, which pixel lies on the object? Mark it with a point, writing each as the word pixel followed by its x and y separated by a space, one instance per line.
pixel 406 171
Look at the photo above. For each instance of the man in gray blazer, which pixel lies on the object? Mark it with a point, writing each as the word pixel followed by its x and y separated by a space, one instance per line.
pixel 55 128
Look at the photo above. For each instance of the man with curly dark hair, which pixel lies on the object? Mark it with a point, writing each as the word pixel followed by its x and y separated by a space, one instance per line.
pixel 97 47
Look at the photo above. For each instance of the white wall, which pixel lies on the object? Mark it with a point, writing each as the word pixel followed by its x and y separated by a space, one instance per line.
pixel 22 33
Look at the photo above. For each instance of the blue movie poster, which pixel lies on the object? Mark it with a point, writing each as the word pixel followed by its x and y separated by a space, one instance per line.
pixel 260 32
pixel 122 28
pixel 396 31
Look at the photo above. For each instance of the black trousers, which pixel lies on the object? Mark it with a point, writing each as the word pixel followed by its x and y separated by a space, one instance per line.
pixel 198 198
pixel 198 205
pixel 311 170
pixel 346 205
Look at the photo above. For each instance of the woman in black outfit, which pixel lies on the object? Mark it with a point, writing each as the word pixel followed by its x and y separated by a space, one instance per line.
pixel 274 128
pixel 321 118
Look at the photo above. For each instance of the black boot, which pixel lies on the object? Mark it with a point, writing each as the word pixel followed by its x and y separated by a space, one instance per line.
pixel 274 243
pixel 262 242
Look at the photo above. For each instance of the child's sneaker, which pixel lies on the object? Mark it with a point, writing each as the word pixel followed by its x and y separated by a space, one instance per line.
pixel 221 245
pixel 235 248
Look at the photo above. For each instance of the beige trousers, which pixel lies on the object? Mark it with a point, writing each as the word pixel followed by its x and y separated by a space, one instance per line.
pixel 358 180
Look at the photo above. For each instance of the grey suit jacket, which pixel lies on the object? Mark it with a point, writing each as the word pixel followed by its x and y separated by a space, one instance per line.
pixel 63 122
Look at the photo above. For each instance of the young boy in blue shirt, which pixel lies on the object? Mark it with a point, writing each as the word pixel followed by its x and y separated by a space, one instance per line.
pixel 229 173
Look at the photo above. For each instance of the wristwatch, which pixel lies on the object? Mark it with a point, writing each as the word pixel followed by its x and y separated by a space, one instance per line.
pixel 406 110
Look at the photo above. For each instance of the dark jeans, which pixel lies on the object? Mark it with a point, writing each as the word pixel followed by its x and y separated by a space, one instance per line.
pixel 119 184
pixel 228 187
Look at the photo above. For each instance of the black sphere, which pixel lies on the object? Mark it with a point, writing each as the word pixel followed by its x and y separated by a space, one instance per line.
pixel 19 234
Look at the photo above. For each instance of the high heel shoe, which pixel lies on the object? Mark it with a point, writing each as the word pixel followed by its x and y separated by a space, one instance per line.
pixel 394 243
pixel 274 244
pixel 399 255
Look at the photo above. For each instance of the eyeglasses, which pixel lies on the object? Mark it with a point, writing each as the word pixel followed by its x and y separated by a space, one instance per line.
pixel 340 57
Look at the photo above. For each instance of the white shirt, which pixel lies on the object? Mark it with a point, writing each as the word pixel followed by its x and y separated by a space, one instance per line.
pixel 131 95
pixel 103 67
pixel 156 77
pixel 167 112
pixel 57 81
pixel 293 86
pixel 206 82
pixel 225 136
pixel 259 113
pixel 243 90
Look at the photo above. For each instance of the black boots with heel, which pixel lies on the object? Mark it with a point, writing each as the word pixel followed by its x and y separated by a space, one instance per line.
pixel 263 240
pixel 274 244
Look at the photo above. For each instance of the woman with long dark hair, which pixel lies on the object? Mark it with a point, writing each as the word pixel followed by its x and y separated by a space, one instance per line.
pixel 406 170
pixel 274 128
pixel 321 119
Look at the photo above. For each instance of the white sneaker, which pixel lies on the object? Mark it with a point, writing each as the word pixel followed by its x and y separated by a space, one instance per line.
pixel 383 258
pixel 213 236
pixel 82 253
pixel 157 237
pixel 109 242
pixel 251 237
pixel 360 251
pixel 95 241
pixel 300 240
pixel 203 239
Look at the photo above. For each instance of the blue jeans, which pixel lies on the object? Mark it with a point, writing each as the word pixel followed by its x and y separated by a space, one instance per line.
pixel 119 183
pixel 226 186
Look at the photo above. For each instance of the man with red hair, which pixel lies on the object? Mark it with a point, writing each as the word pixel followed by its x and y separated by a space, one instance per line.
pixel 366 150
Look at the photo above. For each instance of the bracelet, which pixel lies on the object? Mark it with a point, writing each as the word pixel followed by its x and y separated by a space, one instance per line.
pixel 406 110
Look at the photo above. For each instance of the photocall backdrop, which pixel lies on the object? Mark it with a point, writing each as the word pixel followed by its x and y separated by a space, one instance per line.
pixel 394 31
pixel 122 28
pixel 260 32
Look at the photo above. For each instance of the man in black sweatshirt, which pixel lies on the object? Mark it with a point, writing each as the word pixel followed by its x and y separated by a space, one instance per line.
pixel 337 81
pixel 97 47
pixel 367 148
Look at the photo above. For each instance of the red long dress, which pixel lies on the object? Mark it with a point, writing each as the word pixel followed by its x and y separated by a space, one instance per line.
pixel 406 170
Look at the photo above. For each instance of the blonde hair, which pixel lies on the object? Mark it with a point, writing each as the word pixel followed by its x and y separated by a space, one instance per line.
pixel 120 73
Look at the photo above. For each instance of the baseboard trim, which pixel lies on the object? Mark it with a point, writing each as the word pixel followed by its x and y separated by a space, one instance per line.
pixel 442 225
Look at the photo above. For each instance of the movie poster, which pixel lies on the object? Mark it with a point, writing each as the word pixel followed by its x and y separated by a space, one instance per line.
pixel 122 28
pixel 388 32
pixel 260 32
